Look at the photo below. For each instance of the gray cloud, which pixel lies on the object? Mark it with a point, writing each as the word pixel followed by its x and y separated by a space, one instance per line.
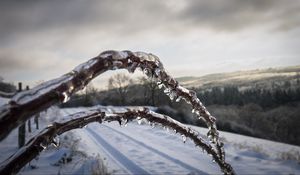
pixel 23 18
pixel 43 30
pixel 129 17
pixel 239 14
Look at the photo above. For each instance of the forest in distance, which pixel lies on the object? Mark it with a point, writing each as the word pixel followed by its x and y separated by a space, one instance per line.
pixel 259 103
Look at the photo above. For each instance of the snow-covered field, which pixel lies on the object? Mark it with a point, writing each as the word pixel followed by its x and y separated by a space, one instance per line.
pixel 141 149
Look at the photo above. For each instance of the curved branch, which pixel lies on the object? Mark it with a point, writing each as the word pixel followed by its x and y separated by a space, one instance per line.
pixel 25 104
pixel 37 144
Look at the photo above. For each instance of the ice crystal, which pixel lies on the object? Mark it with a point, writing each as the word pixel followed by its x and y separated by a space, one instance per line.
pixel 183 138
pixel 173 95
pixel 178 98
pixel 66 97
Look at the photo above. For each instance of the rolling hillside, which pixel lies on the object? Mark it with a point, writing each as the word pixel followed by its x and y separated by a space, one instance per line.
pixel 259 77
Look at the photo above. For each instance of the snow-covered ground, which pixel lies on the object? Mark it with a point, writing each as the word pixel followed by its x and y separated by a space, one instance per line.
pixel 141 149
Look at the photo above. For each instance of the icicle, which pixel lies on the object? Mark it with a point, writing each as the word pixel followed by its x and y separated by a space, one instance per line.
pixel 193 110
pixel 65 97
pixel 55 142
pixel 125 121
pixel 129 61
pixel 157 72
pixel 43 145
pixel 139 120
pixel 183 138
pixel 178 99
pixel 160 85
pixel 153 125
pixel 148 72
pixel 167 91
pixel 173 95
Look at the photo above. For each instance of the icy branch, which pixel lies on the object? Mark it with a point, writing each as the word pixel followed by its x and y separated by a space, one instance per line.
pixel 27 103
pixel 38 143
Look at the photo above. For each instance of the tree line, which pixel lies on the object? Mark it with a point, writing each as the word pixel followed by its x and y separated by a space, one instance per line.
pixel 265 98
pixel 271 113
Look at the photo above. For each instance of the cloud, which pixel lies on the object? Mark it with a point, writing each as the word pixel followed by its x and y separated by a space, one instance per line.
pixel 233 15
pixel 134 16
pixel 72 17
pixel 57 35
pixel 16 64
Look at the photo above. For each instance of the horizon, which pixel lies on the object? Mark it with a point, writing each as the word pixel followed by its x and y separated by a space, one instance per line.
pixel 137 74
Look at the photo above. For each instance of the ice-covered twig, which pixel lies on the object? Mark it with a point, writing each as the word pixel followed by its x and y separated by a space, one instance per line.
pixel 38 143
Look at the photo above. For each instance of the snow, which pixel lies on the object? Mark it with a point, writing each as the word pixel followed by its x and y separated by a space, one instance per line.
pixel 29 95
pixel 137 149
pixel 86 65
pixel 3 101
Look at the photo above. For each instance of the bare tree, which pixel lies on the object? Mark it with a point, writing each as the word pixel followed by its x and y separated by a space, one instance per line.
pixel 120 84
pixel 90 94
pixel 150 90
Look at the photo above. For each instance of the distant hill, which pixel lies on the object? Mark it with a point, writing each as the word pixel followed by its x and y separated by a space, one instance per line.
pixel 260 78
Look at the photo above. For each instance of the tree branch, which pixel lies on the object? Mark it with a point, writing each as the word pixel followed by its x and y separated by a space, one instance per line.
pixel 39 142
pixel 25 104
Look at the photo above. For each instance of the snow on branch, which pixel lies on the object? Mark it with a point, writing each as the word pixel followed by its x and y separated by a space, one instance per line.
pixel 78 120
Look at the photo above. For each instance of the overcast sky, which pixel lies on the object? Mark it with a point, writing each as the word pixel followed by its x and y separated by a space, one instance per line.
pixel 41 40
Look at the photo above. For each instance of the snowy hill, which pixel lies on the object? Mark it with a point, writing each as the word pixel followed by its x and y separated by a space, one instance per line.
pixel 264 78
pixel 141 149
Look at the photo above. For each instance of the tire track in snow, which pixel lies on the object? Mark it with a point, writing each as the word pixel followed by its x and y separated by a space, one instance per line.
pixel 121 158
pixel 176 161
pixel 164 155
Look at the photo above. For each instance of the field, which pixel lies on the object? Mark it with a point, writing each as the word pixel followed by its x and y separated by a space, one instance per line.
pixel 141 149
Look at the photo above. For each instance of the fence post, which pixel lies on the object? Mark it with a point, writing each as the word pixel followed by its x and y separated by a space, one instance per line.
pixel 28 122
pixel 36 120
pixel 22 129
